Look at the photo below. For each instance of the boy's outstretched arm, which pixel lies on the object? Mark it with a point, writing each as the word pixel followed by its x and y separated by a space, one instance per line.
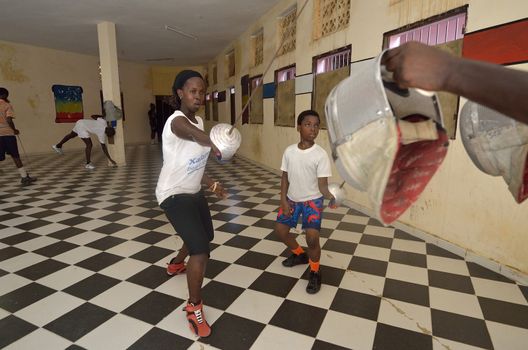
pixel 322 182
pixel 285 184
pixel 105 151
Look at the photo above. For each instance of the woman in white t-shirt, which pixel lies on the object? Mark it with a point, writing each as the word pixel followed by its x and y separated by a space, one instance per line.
pixel 186 148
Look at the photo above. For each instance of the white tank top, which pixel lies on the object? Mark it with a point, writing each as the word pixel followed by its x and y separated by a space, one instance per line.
pixel 183 162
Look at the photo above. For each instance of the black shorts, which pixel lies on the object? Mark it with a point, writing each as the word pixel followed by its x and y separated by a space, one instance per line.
pixel 8 145
pixel 190 216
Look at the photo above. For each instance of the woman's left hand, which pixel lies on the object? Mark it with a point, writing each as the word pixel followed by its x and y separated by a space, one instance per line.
pixel 220 191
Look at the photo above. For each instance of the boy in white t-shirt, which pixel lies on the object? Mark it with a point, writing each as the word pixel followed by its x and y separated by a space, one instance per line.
pixel 305 171
pixel 83 128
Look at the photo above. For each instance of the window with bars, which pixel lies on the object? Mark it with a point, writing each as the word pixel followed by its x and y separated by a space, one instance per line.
pixel 330 16
pixel 285 97
pixel 328 70
pixel 230 64
pixel 287 30
pixel 434 33
pixel 333 61
pixel 444 31
pixel 257 45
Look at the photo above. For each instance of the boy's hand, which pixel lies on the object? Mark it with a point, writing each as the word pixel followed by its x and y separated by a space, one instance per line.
pixel 332 204
pixel 286 209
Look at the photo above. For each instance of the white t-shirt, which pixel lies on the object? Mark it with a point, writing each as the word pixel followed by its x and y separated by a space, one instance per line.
pixel 303 168
pixel 183 162
pixel 85 127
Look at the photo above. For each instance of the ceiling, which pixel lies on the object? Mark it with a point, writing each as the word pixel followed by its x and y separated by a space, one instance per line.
pixel 71 25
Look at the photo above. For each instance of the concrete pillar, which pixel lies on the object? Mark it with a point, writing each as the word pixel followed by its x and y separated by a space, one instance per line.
pixel 110 84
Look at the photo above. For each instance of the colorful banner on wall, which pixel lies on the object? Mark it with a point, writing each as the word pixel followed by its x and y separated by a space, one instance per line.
pixel 68 103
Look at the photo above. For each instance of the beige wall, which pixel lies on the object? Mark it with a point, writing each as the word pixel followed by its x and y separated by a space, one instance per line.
pixel 461 204
pixel 28 72
pixel 163 78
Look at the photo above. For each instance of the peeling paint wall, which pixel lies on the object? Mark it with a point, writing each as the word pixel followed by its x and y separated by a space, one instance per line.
pixel 460 204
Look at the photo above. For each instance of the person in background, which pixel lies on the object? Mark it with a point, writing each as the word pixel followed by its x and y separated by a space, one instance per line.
pixel 8 141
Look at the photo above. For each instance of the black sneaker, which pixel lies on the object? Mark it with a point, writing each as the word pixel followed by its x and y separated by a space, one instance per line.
pixel 26 181
pixel 293 260
pixel 314 282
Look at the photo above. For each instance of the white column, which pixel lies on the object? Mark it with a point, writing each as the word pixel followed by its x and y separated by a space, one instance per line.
pixel 110 84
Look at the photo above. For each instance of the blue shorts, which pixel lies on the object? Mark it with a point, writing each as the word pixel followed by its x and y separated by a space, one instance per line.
pixel 312 214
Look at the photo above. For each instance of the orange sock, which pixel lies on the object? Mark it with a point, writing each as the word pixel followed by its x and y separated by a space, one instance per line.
pixel 298 250
pixel 314 265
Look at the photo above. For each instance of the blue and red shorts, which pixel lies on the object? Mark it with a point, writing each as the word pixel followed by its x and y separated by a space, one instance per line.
pixel 311 211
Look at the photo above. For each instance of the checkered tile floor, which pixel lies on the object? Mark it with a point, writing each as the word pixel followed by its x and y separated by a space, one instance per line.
pixel 82 265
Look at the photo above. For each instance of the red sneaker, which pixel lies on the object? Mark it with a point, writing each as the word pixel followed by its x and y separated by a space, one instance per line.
pixel 197 323
pixel 175 268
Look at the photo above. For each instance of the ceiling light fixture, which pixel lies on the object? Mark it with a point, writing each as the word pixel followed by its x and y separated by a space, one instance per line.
pixel 181 32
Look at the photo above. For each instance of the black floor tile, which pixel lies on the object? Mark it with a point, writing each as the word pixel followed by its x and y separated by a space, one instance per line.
pixel 274 284
pixel 348 226
pixel 404 235
pixel 151 277
pixel 256 260
pixel 18 238
pixel 333 245
pixel 56 249
pixel 463 329
pixel 475 270
pixel 256 213
pixel 405 291
pixel 153 307
pixel 408 258
pixel 105 243
pixel 356 304
pixel 24 296
pixel 80 321
pixel 76 220
pixel 395 338
pixel 66 233
pixel 110 228
pixel 214 267
pixel 220 295
pixel 504 312
pixel 13 328
pixel 115 217
pixel 27 226
pixel 450 281
pixel 41 269
pixel 152 237
pixel 151 213
pixel 370 266
pixel 91 286
pixel 99 261
pixel 265 223
pixel 10 252
pixel 330 275
pixel 233 332
pixel 432 249
pixel 242 242
pixel 152 254
pixel 376 241
pixel 150 224
pixel 321 345
pixel 160 339
pixel 231 228
pixel 298 317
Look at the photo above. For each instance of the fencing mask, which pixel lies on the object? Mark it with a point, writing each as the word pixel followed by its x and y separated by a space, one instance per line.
pixel 497 145
pixel 385 141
